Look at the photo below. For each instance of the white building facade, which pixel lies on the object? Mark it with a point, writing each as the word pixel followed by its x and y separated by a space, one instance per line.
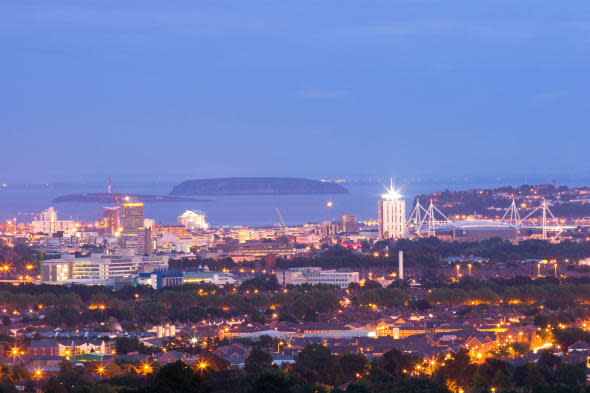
pixel 392 215
pixel 315 276
pixel 193 220
pixel 98 268
pixel 49 223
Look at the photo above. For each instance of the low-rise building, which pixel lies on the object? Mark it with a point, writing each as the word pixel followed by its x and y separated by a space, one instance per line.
pixel 161 279
pixel 315 276
pixel 168 278
pixel 82 346
pixel 250 250
pixel 44 347
pixel 98 268
pixel 216 278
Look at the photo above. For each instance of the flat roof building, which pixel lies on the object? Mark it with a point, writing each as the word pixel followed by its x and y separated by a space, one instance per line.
pixel 315 276
pixel 98 268
pixel 170 278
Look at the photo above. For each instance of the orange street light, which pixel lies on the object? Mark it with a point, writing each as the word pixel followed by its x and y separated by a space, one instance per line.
pixel 14 352
pixel 100 370
pixel 146 368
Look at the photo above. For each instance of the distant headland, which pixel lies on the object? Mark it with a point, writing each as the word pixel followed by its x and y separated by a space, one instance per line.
pixel 256 186
pixel 110 198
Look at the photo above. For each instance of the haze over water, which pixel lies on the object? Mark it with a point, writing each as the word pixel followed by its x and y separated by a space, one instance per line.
pixel 23 202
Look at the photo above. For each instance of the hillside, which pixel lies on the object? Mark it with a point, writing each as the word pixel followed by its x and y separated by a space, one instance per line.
pixel 566 203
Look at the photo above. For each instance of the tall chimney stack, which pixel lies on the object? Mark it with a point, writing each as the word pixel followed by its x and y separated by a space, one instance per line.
pixel 401 265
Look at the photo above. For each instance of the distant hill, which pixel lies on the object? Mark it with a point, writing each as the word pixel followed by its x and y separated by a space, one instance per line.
pixel 566 203
pixel 110 198
pixel 256 186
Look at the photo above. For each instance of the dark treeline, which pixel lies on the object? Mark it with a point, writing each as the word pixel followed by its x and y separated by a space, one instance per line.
pixel 431 252
pixel 318 370
pixel 18 257
pixel 260 298
pixel 137 308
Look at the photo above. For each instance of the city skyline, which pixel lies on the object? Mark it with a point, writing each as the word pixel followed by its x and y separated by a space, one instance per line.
pixel 194 90
pixel 282 197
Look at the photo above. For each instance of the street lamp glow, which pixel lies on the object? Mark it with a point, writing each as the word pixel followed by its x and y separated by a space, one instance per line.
pixel 146 368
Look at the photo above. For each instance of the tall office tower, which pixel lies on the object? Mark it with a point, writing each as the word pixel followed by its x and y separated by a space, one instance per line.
pixel 149 223
pixel 132 217
pixel 348 223
pixel 148 241
pixel 111 219
pixel 132 221
pixel 392 215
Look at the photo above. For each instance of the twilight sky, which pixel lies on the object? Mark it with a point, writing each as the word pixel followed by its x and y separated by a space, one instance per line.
pixel 184 88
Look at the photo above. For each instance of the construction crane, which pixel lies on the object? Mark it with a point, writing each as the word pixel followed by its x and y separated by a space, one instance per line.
pixel 282 221
pixel 107 196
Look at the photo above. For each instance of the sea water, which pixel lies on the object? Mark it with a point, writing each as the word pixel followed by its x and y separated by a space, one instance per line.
pixel 24 202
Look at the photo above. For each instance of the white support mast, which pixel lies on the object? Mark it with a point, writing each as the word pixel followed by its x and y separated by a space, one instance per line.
pixel 514 217
pixel 416 216
pixel 544 207
pixel 430 219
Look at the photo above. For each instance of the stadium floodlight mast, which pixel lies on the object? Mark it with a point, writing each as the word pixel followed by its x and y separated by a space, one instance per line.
pixel 514 217
pixel 544 207
pixel 422 217
pixel 432 222
pixel 416 215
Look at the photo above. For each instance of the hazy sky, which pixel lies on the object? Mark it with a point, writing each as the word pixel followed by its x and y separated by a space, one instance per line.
pixel 173 89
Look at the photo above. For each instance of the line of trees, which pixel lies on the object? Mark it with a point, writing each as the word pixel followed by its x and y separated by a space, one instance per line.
pixel 316 369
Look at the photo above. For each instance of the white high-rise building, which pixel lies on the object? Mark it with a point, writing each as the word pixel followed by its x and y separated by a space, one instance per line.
pixel 193 219
pixel 392 215
pixel 49 223
pixel 48 215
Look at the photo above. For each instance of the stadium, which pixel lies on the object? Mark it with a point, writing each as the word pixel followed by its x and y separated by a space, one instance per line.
pixel 477 230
